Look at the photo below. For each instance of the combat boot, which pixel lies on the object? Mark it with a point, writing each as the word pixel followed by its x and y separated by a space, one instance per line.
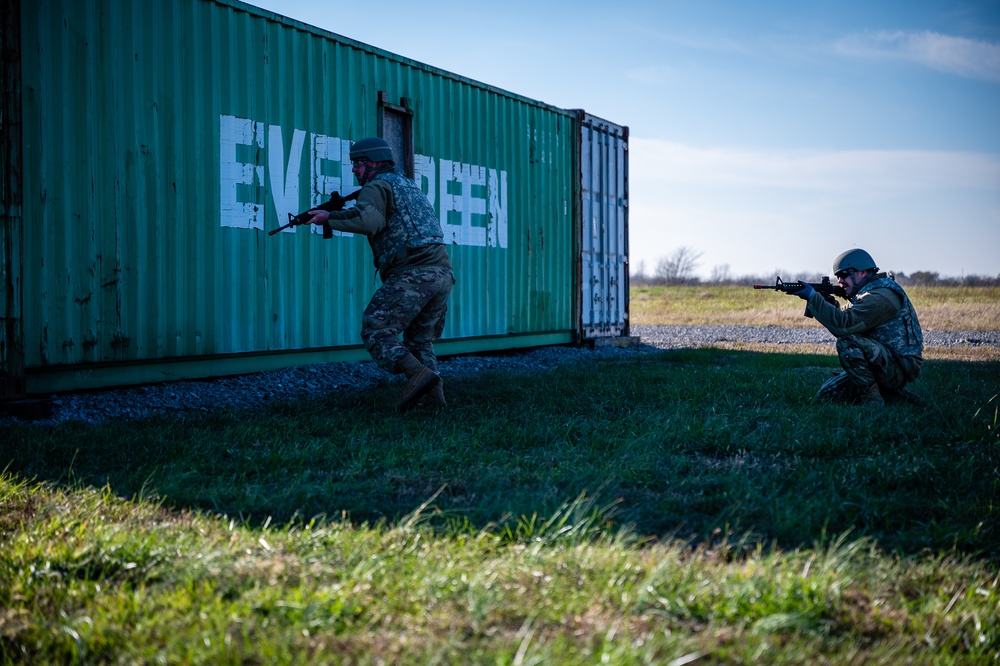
pixel 904 395
pixel 871 397
pixel 434 399
pixel 421 380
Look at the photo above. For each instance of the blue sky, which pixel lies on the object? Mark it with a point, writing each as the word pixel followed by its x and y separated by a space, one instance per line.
pixel 766 136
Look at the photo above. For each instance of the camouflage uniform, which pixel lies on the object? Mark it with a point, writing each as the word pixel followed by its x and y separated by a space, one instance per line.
pixel 408 249
pixel 879 341
pixel 413 302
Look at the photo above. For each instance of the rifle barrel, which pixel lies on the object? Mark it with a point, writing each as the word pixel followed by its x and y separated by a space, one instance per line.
pixel 281 228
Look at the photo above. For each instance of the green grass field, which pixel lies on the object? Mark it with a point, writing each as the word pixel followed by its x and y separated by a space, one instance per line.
pixel 692 506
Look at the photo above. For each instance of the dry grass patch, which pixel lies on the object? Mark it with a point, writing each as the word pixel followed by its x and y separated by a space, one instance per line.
pixel 971 354
pixel 959 316
pixel 939 308
pixel 778 348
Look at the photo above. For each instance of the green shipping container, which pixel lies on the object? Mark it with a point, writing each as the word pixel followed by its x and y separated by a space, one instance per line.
pixel 148 148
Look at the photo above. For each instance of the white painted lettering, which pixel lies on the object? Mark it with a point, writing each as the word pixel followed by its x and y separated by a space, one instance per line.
pixel 471 200
pixel 462 213
pixel 285 190
pixel 234 210
pixel 426 177
pixel 331 172
pixel 497 189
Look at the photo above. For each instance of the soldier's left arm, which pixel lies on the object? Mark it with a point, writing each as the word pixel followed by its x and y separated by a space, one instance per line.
pixel 871 310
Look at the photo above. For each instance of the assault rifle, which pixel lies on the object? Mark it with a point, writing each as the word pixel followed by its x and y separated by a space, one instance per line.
pixel 825 288
pixel 336 202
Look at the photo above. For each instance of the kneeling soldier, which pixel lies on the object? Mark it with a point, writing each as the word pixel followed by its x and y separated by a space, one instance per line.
pixel 879 341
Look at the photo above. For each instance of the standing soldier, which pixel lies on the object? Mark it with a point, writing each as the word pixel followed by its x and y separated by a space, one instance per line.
pixel 879 341
pixel 409 252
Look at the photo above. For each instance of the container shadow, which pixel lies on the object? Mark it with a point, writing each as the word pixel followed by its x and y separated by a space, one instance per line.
pixel 688 445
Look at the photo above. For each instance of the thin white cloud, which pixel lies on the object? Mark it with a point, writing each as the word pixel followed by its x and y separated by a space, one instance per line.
pixel 860 170
pixel 970 58
pixel 712 42
pixel 649 75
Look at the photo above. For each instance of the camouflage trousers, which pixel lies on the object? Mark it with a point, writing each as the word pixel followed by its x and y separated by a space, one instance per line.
pixel 412 302
pixel 865 362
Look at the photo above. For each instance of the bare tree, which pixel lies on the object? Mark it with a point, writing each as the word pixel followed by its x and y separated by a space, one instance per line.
pixel 925 278
pixel 720 273
pixel 678 268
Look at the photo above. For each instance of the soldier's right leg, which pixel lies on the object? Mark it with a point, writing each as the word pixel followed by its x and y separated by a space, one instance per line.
pixel 392 308
pixel 427 327
pixel 840 388
pixel 871 367
pixel 434 287
pixel 853 356
pixel 390 311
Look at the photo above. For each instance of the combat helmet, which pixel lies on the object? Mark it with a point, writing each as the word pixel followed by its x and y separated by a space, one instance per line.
pixel 373 148
pixel 856 259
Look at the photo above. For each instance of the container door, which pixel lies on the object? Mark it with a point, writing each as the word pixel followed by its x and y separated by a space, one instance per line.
pixel 395 124
pixel 604 233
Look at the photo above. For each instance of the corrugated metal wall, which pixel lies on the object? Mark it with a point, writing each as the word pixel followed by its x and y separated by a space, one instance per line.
pixel 161 140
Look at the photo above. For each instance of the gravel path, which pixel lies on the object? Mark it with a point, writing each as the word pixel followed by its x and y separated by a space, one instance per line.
pixel 671 337
pixel 252 391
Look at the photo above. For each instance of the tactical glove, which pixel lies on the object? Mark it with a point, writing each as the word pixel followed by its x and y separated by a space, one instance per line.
pixel 805 292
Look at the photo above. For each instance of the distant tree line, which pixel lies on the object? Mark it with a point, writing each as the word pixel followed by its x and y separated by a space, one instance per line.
pixel 678 268
pixel 932 279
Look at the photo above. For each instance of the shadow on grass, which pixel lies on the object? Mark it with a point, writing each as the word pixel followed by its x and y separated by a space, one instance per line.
pixel 687 444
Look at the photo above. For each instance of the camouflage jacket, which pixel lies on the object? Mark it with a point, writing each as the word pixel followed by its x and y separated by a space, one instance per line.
pixel 412 223
pixel 400 223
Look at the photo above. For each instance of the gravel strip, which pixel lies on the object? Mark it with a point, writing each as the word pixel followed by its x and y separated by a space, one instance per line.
pixel 256 390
